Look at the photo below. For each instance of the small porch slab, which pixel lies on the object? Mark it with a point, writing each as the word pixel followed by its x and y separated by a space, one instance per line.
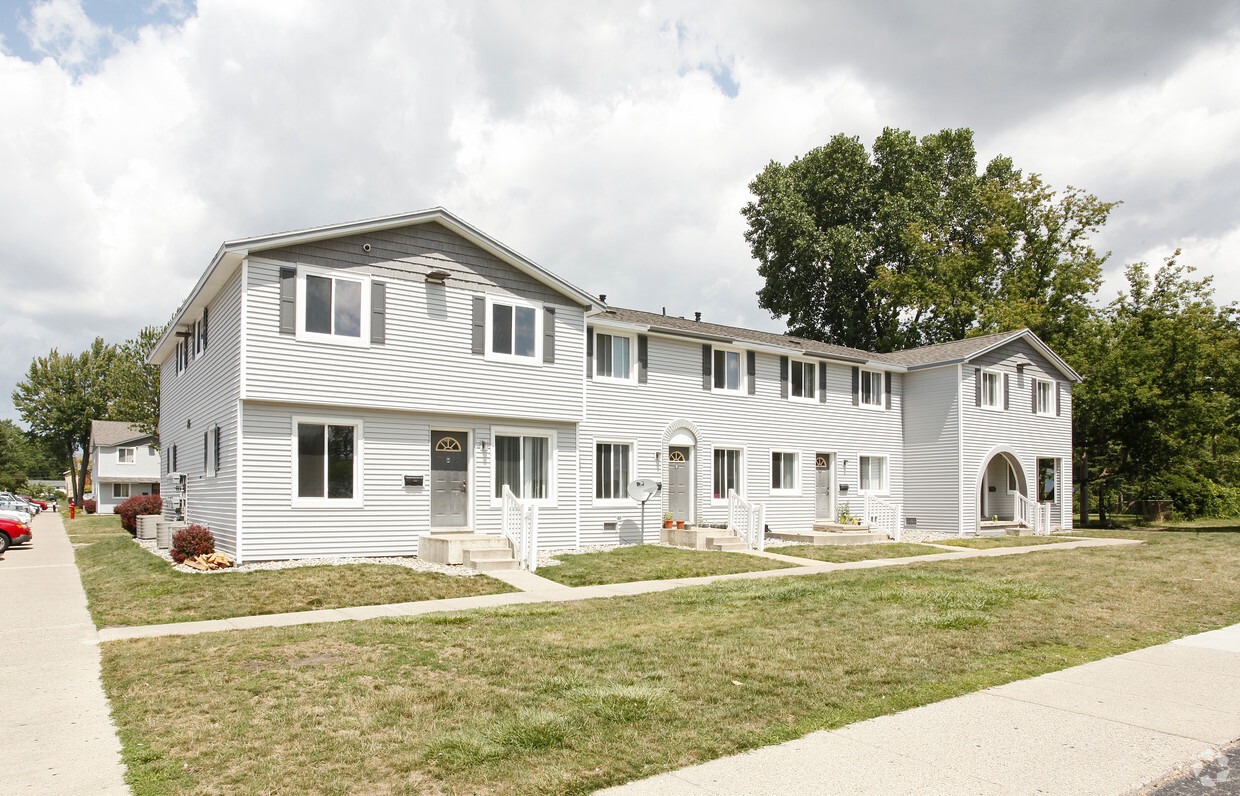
pixel 1004 528
pixel 703 539
pixel 483 552
pixel 863 536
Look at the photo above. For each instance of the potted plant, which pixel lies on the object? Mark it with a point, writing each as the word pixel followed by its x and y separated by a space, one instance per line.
pixel 667 520
pixel 680 525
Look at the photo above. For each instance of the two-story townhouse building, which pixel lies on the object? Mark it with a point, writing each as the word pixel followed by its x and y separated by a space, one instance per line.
pixel 344 389
pixel 124 462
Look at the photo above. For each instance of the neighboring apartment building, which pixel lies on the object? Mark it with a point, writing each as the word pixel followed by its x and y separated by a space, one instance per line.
pixel 124 462
pixel 343 389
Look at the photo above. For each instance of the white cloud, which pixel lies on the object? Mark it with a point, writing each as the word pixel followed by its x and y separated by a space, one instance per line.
pixel 62 30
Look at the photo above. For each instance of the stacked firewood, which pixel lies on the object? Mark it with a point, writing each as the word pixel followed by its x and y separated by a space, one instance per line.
pixel 209 562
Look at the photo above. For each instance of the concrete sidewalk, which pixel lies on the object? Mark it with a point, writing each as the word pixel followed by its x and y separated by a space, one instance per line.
pixel 541 590
pixel 59 734
pixel 1115 726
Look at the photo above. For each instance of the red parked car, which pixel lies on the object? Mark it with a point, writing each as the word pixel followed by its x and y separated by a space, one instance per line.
pixel 13 532
pixel 43 504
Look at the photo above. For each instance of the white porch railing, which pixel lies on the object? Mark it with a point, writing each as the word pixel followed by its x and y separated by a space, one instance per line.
pixel 877 513
pixel 1033 515
pixel 747 519
pixel 520 525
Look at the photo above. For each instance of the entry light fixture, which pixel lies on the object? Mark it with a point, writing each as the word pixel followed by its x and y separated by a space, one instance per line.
pixel 437 276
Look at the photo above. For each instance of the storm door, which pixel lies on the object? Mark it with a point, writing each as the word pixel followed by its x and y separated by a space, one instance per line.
pixel 449 471
pixel 680 482
pixel 823 491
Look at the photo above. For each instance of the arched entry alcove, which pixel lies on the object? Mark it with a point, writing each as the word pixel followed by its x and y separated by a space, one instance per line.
pixel 679 454
pixel 999 480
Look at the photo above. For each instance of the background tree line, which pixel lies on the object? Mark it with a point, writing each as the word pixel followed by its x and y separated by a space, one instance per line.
pixel 910 243
pixel 63 393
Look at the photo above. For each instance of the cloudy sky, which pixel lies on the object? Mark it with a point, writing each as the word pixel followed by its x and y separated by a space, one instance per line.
pixel 611 142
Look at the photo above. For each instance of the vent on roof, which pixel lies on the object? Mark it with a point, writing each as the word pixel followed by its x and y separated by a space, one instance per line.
pixel 697 316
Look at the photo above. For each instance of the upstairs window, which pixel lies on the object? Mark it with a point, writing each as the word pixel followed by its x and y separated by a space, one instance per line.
pixel 803 379
pixel 727 370
pixel 333 306
pixel 992 389
pixel 1043 397
pixel 125 455
pixel 513 330
pixel 612 356
pixel 872 388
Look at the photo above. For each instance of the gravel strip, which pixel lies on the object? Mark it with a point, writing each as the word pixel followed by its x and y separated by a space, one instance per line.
pixel 408 562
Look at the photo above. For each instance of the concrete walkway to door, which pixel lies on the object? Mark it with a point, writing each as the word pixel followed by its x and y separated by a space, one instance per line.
pixel 1114 726
pixel 59 734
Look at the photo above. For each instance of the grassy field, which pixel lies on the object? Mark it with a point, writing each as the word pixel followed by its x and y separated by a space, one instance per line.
pixel 650 562
pixel 839 554
pixel 988 542
pixel 567 698
pixel 126 585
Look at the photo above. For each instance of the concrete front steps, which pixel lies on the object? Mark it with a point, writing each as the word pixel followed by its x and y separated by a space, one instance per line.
pixel 704 539
pixel 480 551
pixel 1004 528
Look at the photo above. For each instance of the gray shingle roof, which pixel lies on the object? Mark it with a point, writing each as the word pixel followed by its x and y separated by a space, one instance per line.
pixel 115 432
pixel 949 352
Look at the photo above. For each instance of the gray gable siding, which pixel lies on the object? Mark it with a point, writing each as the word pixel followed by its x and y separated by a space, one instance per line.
pixel 759 424
pixel 410 252
pixel 426 363
pixel 1026 435
pixel 206 394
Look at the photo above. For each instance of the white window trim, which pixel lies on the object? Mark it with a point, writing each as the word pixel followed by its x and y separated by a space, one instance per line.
pixel 213 467
pixel 741 384
pixel 552 459
pixel 886 488
pixel 537 359
pixel 881 392
pixel 631 378
pixel 133 460
pixel 1054 397
pixel 361 341
pixel 743 475
pixel 998 405
pixel 1011 476
pixel 625 501
pixel 793 362
pixel 800 477
pixel 356 502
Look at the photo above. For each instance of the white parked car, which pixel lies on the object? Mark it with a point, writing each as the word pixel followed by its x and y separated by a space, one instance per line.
pixel 16 515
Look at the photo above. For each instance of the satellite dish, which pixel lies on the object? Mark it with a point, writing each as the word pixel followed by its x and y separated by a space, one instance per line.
pixel 643 489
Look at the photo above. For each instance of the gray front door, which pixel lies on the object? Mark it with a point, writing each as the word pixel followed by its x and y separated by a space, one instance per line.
pixel 449 469
pixel 680 482
pixel 822 487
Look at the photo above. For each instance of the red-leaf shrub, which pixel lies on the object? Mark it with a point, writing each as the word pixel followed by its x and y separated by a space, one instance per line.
pixel 137 506
pixel 90 506
pixel 192 541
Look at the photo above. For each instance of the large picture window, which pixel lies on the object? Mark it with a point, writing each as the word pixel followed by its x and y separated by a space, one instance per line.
pixel 727 472
pixel 803 379
pixel 727 370
pixel 612 356
pixel 326 460
pixel 611 470
pixel 783 471
pixel 873 472
pixel 523 464
pixel 333 306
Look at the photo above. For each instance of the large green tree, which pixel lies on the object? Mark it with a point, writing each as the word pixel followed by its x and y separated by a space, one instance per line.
pixel 1157 413
pixel 135 384
pixel 60 396
pixel 24 457
pixel 910 244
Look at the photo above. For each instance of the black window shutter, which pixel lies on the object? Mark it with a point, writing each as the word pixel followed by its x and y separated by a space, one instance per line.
pixel 1058 403
pixel 549 335
pixel 1005 391
pixel 589 353
pixel 378 312
pixel 822 382
pixel 480 325
pixel 204 328
pixel 706 356
pixel 643 357
pixel 856 386
pixel 783 377
pixel 977 386
pixel 751 370
pixel 1033 391
pixel 887 387
pixel 288 300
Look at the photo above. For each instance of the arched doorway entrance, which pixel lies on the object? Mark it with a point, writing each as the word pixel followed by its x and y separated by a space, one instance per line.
pixel 680 453
pixel 1000 481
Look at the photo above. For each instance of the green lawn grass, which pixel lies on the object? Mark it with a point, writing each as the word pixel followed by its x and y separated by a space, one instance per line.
pixel 839 554
pixel 650 562
pixel 570 697
pixel 987 542
pixel 126 585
